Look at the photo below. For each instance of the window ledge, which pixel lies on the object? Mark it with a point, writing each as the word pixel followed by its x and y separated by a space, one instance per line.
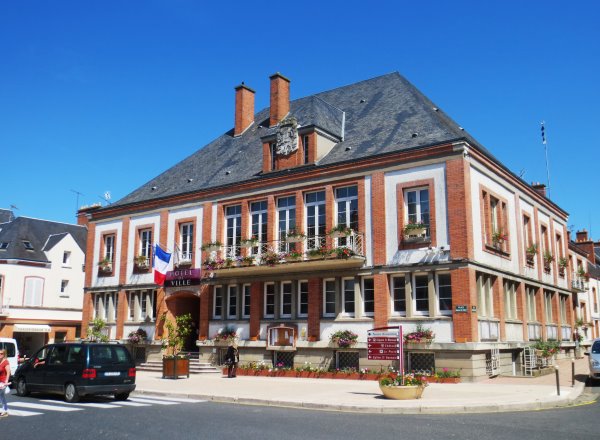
pixel 499 252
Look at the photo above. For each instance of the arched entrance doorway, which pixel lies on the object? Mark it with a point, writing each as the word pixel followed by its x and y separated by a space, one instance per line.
pixel 180 303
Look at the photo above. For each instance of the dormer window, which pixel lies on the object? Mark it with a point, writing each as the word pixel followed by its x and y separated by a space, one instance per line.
pixel 305 147
pixel 3 245
pixel 273 153
pixel 27 245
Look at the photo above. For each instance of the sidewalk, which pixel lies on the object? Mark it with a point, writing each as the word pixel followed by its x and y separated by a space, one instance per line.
pixel 490 395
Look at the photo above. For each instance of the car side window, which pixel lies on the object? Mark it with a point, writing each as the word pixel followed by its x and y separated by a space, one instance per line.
pixel 596 347
pixel 75 355
pixel 58 355
pixel 9 347
pixel 42 354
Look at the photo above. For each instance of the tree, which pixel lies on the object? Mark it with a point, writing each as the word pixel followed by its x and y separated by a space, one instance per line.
pixel 177 333
pixel 95 330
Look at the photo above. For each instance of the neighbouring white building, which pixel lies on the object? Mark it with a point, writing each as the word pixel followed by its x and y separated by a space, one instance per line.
pixel 41 280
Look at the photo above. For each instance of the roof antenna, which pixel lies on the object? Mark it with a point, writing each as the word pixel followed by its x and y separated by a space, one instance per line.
pixel 546 151
pixel 77 200
pixel 522 173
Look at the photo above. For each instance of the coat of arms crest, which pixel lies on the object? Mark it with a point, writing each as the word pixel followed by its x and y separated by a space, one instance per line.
pixel 287 137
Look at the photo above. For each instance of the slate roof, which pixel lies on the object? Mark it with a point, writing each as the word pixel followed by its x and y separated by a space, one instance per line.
pixel 381 115
pixel 42 234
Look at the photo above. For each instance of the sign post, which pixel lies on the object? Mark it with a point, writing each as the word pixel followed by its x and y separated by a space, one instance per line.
pixel 386 344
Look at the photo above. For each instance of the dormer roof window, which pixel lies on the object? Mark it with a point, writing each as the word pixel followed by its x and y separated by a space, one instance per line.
pixel 27 245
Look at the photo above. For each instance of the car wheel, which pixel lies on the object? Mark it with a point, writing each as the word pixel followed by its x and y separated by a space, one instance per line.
pixel 71 394
pixel 22 387
pixel 121 396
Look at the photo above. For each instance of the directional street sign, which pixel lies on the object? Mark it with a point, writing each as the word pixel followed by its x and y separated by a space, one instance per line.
pixel 385 344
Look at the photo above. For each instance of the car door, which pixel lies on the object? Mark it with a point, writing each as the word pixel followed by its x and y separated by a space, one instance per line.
pixel 36 373
pixel 57 369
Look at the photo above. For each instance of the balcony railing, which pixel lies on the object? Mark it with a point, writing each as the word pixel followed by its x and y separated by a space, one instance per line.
pixel 578 284
pixel 341 251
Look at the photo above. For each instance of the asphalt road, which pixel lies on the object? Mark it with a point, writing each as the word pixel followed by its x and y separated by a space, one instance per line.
pixel 145 417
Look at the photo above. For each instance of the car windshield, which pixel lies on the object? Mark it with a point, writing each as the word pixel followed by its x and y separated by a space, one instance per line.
pixel 596 347
pixel 109 355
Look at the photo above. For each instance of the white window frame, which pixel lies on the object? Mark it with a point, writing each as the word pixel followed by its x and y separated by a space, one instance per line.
pixel 233 230
pixel 364 296
pixel 316 238
pixel 485 291
pixel 347 204
pixel 300 303
pixel 246 300
pixel 34 298
pixel 232 292
pixel 140 305
pixel 109 247
pixel 106 306
pixel 510 300
pixel 145 243
pixel 265 302
pixel 437 293
pixel 414 294
pixel 64 288
pixel 282 294
pixel 352 293
pixel 418 215
pixel 531 306
pixel 548 296
pixel 325 313
pixel 285 222
pixel 563 300
pixel 186 241
pixel 66 259
pixel 218 293
pixel 402 279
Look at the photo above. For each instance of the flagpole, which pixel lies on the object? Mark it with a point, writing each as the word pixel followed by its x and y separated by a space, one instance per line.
pixel 546 152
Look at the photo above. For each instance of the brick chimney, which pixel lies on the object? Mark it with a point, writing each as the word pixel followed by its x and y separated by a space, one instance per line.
pixel 582 236
pixel 244 108
pixel 540 188
pixel 280 98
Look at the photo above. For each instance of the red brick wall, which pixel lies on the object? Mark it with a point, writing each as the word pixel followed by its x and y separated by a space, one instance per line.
pixel 460 223
pixel 382 300
pixel 464 292
pixel 256 308
pixel 280 98
pixel 315 305
pixel 244 109
pixel 379 214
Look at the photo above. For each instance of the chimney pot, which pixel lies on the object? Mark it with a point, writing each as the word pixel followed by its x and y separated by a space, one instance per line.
pixel 280 98
pixel 582 236
pixel 244 108
pixel 540 188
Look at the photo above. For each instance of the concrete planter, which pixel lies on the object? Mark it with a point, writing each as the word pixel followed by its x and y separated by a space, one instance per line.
pixel 406 392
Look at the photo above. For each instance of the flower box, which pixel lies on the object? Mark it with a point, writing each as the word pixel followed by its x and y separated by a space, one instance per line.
pixel 293 239
pixel 406 392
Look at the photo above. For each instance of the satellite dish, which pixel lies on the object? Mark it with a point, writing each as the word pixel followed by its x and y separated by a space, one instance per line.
pixel 107 196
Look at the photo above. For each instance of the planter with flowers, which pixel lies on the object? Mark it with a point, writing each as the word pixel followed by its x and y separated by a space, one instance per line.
pixel 498 238
pixel 530 253
pixel 294 236
pixel 246 261
pixel 447 376
pixel 293 256
pixel 342 252
pixel 343 338
pixel 212 246
pixel 141 262
pixel 340 231
pixel 317 253
pixel 105 265
pixel 562 266
pixel 225 336
pixel 249 242
pixel 174 363
pixel 548 259
pixel 421 335
pixel 415 229
pixel 270 258
pixel 403 387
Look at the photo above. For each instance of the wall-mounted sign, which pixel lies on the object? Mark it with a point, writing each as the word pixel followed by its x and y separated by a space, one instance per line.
pixel 183 278
pixel 461 309
pixel 473 309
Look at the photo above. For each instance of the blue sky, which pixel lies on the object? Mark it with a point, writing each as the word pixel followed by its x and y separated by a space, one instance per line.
pixel 102 96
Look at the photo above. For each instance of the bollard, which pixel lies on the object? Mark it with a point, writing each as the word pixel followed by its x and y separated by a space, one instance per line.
pixel 557 380
pixel 572 372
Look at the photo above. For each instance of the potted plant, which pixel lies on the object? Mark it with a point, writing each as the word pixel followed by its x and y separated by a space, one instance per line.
pixel 251 241
pixel 421 335
pixel 498 237
pixel 176 364
pixel 294 236
pixel 562 265
pixel 317 253
pixel 340 230
pixel 546 349
pixel 293 256
pixel 137 336
pixel 530 253
pixel 403 386
pixel 225 335
pixel 105 265
pixel 245 261
pixel 343 338
pixel 447 376
pixel 548 259
pixel 342 252
pixel 97 330
pixel 212 246
pixel 415 229
pixel 270 258
pixel 141 262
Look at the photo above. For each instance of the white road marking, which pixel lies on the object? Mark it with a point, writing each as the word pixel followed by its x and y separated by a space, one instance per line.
pixel 17 413
pixel 171 399
pixel 129 403
pixel 150 402
pixel 85 404
pixel 46 407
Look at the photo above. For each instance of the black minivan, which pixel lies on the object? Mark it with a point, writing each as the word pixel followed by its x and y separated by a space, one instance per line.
pixel 78 369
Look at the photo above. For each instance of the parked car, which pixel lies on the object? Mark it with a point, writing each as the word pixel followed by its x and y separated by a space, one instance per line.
pixel 78 369
pixel 594 358
pixel 12 353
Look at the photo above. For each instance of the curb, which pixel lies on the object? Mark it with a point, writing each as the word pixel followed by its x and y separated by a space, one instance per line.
pixel 553 402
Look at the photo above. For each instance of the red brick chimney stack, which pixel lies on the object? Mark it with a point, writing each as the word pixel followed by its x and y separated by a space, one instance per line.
pixel 280 98
pixel 582 236
pixel 244 108
pixel 540 188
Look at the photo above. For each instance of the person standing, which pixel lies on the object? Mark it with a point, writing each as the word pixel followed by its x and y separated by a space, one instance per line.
pixel 232 357
pixel 4 378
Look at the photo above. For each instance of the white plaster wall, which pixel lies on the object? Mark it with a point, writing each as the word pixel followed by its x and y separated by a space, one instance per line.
pixel 102 227
pixel 437 172
pixel 73 272
pixel 368 223
pixel 177 214
pixel 527 208
pixel 151 219
pixel 324 146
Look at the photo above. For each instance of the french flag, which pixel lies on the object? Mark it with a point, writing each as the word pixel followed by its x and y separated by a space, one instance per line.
pixel 160 264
